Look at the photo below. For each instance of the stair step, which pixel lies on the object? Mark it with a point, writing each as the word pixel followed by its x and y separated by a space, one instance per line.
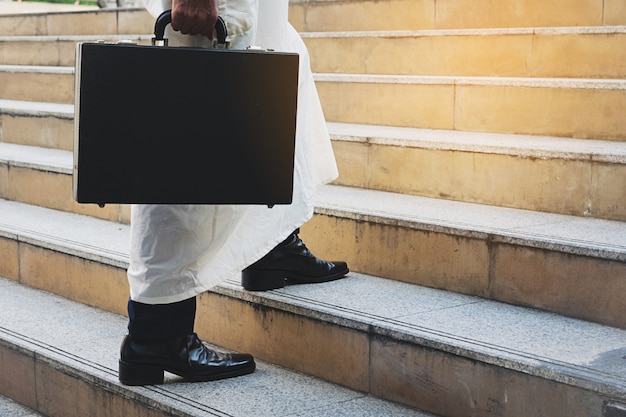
pixel 464 247
pixel 570 265
pixel 43 177
pixel 353 15
pixel 88 22
pixel 67 354
pixel 558 175
pixel 550 174
pixel 580 108
pixel 328 16
pixel 518 52
pixel 53 50
pixel 600 52
pixel 447 353
pixel 37 83
pixel 48 125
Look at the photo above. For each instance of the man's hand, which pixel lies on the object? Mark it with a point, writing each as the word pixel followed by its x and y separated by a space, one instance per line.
pixel 194 17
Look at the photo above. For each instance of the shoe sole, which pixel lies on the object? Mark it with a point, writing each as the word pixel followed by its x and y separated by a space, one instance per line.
pixel 318 280
pixel 255 280
pixel 140 374
pixel 262 280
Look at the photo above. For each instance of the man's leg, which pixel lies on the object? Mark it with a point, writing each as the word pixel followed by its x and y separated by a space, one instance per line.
pixel 161 338
pixel 161 321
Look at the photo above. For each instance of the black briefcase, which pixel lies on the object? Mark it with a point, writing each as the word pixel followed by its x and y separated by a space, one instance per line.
pixel 165 125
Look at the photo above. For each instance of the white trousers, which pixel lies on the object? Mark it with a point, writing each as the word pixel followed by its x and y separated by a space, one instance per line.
pixel 180 251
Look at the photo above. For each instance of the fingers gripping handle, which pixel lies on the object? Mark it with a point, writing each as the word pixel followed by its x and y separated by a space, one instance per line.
pixel 166 18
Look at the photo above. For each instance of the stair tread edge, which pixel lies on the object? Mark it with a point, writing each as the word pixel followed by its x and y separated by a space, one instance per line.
pixel 546 147
pixel 571 233
pixel 560 30
pixel 36 108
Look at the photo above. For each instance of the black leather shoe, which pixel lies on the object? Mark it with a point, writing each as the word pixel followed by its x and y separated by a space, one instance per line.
pixel 292 261
pixel 143 362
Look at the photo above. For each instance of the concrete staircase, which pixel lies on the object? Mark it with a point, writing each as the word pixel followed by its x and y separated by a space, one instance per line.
pixel 482 156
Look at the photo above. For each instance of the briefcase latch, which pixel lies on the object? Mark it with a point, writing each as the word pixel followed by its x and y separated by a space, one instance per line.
pixel 165 18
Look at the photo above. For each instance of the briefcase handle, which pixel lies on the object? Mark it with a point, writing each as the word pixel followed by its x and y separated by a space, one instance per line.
pixel 165 19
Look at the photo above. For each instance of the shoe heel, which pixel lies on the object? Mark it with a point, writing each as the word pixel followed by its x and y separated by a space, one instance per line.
pixel 254 280
pixel 136 374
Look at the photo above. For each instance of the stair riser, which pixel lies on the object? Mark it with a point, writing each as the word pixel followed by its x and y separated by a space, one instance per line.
pixel 576 187
pixel 50 52
pixel 322 16
pixel 54 389
pixel 549 111
pixel 38 53
pixel 361 15
pixel 9 259
pixel 46 132
pixel 52 190
pixel 64 24
pixel 23 25
pixel 569 112
pixel 17 379
pixel 450 385
pixel 572 285
pixel 482 265
pixel 37 86
pixel 510 55
pixel 334 353
pixel 86 281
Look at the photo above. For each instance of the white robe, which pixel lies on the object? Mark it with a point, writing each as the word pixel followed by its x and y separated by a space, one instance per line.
pixel 180 251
